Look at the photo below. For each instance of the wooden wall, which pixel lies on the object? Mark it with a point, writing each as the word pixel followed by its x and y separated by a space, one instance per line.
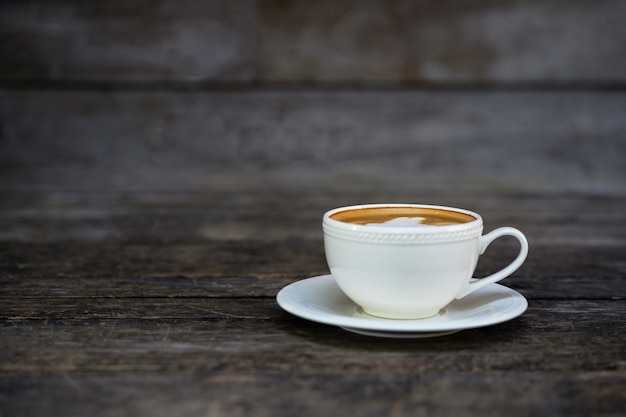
pixel 428 41
pixel 522 95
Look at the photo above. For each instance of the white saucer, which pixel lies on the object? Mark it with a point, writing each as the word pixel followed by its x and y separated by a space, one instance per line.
pixel 319 299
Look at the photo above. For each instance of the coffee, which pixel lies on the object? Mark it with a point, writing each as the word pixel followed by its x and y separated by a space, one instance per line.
pixel 402 216
pixel 407 272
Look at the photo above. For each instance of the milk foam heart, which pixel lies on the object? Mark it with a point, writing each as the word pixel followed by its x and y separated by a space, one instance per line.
pixel 403 222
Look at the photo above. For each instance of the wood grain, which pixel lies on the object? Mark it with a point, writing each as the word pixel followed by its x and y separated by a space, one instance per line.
pixel 255 336
pixel 189 42
pixel 220 393
pixel 261 268
pixel 164 167
pixel 318 142
pixel 282 211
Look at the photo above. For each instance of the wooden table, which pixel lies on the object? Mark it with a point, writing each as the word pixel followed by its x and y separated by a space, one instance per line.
pixel 164 167
pixel 143 282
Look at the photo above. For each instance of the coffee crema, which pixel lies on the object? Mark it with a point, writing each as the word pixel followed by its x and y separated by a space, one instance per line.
pixel 402 217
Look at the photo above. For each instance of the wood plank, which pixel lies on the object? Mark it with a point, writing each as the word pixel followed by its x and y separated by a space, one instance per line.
pixel 434 41
pixel 261 269
pixel 370 394
pixel 282 211
pixel 69 40
pixel 278 40
pixel 328 142
pixel 252 337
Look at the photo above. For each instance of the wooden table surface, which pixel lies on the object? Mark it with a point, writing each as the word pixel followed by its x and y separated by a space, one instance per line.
pixel 143 282
pixel 154 200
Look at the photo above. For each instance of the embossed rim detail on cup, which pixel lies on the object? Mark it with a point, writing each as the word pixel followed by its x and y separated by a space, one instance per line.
pixel 402 238
pixel 402 235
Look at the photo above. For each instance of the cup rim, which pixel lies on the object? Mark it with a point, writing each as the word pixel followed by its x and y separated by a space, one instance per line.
pixel 477 222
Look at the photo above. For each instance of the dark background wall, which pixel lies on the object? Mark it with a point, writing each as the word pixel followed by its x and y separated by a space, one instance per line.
pixel 371 41
pixel 468 95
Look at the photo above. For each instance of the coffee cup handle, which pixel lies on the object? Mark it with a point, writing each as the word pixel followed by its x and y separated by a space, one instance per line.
pixel 485 240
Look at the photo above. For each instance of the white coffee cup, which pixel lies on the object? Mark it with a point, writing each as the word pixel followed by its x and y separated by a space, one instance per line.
pixel 396 266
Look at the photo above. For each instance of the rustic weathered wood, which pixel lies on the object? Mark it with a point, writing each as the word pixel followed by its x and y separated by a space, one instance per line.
pixel 261 268
pixel 75 353
pixel 150 212
pixel 200 217
pixel 175 317
pixel 316 142
pixel 243 394
pixel 350 41
pixel 255 336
